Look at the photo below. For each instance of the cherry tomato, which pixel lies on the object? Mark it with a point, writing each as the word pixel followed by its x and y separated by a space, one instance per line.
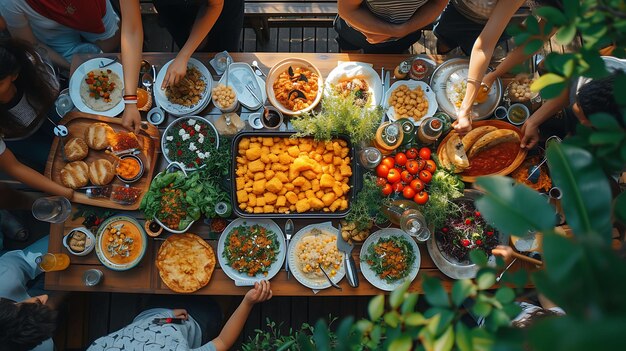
pixel 408 192
pixel 382 171
pixel 394 175
pixel 389 162
pixel 387 189
pixel 425 176
pixel 398 187
pixel 430 166
pixel 412 166
pixel 421 197
pixel 421 164
pixel 411 153
pixel 381 181
pixel 406 176
pixel 400 159
pixel 424 153
pixel 417 185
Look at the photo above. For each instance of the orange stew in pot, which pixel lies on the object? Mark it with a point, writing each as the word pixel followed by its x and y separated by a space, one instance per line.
pixel 493 159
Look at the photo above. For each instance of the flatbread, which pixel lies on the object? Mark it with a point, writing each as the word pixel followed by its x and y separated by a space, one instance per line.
pixel 185 262
pixel 99 104
pixel 492 139
pixel 470 138
pixel 456 152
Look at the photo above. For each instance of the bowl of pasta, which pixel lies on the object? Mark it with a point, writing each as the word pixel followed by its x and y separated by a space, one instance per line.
pixel 294 86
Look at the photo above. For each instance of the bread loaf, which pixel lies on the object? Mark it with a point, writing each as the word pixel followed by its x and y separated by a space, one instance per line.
pixel 97 135
pixel 492 139
pixel 456 153
pixel 75 174
pixel 470 138
pixel 101 172
pixel 76 149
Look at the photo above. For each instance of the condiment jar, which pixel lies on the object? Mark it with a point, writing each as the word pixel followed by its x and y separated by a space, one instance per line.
pixel 419 69
pixel 402 70
pixel 388 137
pixel 430 130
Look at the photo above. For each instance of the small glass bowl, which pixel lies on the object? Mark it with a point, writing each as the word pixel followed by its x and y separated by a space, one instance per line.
pixel 139 174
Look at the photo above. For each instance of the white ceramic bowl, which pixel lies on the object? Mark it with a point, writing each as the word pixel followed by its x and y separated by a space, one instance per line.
pixel 283 66
pixel 524 110
pixel 90 241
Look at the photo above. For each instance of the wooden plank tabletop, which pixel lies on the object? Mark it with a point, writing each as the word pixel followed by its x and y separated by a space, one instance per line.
pixel 145 278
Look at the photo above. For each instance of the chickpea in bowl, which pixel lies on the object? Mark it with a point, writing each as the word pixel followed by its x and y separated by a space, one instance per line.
pixel 225 98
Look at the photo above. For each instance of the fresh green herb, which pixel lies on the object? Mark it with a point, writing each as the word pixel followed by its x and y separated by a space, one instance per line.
pixel 220 160
pixel 339 115
pixel 442 189
pixel 390 258
pixel 367 206
pixel 251 249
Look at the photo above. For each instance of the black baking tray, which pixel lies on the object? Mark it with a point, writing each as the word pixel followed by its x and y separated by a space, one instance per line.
pixel 354 180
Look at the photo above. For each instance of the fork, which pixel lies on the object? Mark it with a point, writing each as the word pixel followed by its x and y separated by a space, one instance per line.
pixel 251 90
pixel 113 60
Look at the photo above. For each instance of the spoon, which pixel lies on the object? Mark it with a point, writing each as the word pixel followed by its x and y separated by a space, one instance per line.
pixel 257 70
pixel 61 132
pixel 333 284
pixel 146 81
pixel 537 168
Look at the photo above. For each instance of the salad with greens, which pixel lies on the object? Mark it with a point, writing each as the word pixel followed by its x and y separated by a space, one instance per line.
pixel 391 258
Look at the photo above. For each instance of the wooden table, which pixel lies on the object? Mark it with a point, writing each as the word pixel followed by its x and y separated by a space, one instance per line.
pixel 145 277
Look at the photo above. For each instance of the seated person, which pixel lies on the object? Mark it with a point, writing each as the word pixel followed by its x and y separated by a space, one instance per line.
pixel 4 33
pixel 28 89
pixel 383 27
pixel 59 29
pixel 27 321
pixel 144 332
pixel 202 29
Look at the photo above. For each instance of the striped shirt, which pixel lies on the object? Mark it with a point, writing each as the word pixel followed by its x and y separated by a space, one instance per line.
pixel 394 11
pixel 475 10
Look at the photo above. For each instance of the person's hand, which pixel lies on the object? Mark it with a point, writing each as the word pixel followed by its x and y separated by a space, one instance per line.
pixel 180 313
pixel 69 193
pixel 131 119
pixel 489 78
pixel 530 135
pixel 175 72
pixel 463 124
pixel 506 252
pixel 261 292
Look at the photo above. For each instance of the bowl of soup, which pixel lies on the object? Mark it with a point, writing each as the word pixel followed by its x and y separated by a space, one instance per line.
pixel 518 114
pixel 121 243
pixel 129 168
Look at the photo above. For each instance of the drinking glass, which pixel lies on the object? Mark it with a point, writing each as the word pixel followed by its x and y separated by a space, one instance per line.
pixel 53 209
pixel 51 262
pixel 370 157
pixel 413 223
pixel 63 103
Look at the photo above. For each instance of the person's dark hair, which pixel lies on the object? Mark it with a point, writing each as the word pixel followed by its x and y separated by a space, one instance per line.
pixel 597 96
pixel 23 326
pixel 533 317
pixel 539 3
pixel 19 57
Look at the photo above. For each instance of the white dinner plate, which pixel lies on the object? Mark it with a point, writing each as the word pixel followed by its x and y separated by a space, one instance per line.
pixel 180 110
pixel 79 75
pixel 243 278
pixel 371 276
pixel 412 84
pixel 356 69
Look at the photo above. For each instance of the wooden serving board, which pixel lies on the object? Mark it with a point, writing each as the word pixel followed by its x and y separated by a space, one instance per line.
pixel 521 155
pixel 77 122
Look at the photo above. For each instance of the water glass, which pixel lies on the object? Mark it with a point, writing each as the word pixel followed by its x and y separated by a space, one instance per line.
pixel 63 103
pixel 53 209
pixel 413 223
pixel 51 262
pixel 370 157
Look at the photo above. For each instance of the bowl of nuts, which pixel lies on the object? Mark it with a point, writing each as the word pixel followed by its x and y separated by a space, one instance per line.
pixel 225 98
pixel 79 242
pixel 519 89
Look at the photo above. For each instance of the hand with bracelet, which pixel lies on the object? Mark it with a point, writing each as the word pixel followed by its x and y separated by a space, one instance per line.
pixel 131 119
pixel 464 118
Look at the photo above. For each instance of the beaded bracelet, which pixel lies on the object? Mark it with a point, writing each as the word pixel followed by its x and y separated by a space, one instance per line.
pixel 130 99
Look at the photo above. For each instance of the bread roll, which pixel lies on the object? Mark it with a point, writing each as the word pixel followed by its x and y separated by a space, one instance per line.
pixel 76 149
pixel 470 138
pixel 75 174
pixel 492 139
pixel 96 135
pixel 101 172
pixel 444 161
pixel 456 153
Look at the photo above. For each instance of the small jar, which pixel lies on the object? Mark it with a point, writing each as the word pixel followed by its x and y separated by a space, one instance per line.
pixel 430 130
pixel 402 70
pixel 419 69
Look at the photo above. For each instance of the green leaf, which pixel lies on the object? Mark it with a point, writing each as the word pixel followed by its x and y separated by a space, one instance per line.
pixel 376 333
pixel 532 25
pixel 607 138
pixel 551 14
pixel 485 280
pixel 364 325
pixel 505 295
pixel 561 255
pixel 445 341
pixel 620 207
pixel 507 206
pixel 321 336
pixel 392 318
pixel 415 319
pixel 566 34
pixel 533 46
pixel 546 80
pixel 481 339
pixel 461 290
pixel 572 8
pixel 481 308
pixel 553 91
pixel 463 339
pixel 409 303
pixel 376 307
pixel 521 38
pixel 397 296
pixel 586 193
pixel 478 257
pixel 434 292
pixel 603 120
pixel 444 318
pixel 403 343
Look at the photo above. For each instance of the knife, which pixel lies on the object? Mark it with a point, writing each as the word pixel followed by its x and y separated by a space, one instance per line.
pixel 288 233
pixel 96 191
pixel 386 83
pixel 348 260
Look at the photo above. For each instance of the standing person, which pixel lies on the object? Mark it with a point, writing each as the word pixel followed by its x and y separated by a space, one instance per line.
pixel 206 28
pixel 383 26
pixel 62 28
pixel 28 89
pixel 146 331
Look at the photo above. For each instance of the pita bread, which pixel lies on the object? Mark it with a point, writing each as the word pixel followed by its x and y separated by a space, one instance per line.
pixel 185 262
pixel 456 152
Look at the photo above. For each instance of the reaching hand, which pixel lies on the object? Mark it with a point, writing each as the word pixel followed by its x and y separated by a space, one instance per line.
pixel 506 252
pixel 175 72
pixel 180 313
pixel 489 78
pixel 530 136
pixel 261 292
pixel 462 125
pixel 131 119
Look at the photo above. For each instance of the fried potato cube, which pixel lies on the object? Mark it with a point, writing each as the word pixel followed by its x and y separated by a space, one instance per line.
pixel 328 157
pixel 302 164
pixel 270 198
pixel 316 157
pixel 315 203
pixel 241 171
pixel 328 199
pixel 285 159
pixel 292 208
pixel 305 146
pixel 281 176
pixel 291 197
pixel 258 210
pixel 337 161
pixel 256 166
pixel 241 160
pixel 301 195
pixel 293 151
pixel 303 206
pixel 299 181
pixel 309 174
pixel 251 200
pixel 260 201
pixel 306 185
pixel 335 205
pixel 265 158
pixel 337 189
pixel 281 201
pixel 268 209
pixel 269 174
pixel 327 181
pixel 268 142
pixel 283 209
pixel 259 175
pixel 336 148
pixel 344 205
pixel 342 142
pixel 244 143
pixel 315 184
pixel 242 196
pixel 240 183
pixel 243 206
pixel 319 194
pixel 279 167
pixel 345 188
pixel 249 209
pixel 274 185
pixel 344 152
pixel 254 143
pixel 253 154
pixel 258 187
pixel 273 158
pixel 345 170
pixel 289 186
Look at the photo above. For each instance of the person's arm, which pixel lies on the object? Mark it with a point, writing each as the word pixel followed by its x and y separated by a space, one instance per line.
pixel 377 30
pixel 132 45
pixel 14 168
pixel 201 27
pixel 25 33
pixel 530 129
pixel 482 51
pixel 229 334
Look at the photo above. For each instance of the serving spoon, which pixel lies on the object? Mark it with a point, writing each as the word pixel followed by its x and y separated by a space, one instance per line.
pixel 333 284
pixel 257 70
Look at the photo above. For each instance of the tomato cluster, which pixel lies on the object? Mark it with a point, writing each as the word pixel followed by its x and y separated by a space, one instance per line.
pixel 407 173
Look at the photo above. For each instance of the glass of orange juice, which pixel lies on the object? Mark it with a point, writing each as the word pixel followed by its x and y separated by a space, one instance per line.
pixel 51 262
